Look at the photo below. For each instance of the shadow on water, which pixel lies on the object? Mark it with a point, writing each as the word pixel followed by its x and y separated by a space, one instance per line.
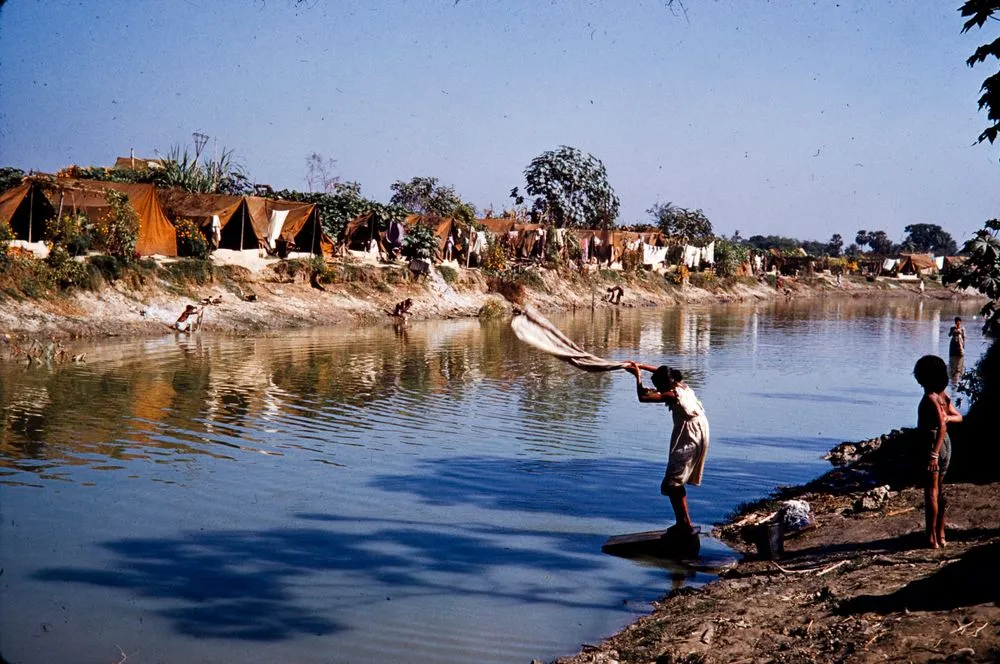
pixel 248 584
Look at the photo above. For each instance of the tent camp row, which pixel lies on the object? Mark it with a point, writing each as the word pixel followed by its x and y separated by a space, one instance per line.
pixel 527 241
pixel 241 222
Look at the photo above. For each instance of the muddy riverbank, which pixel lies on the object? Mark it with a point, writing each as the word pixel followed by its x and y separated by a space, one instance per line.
pixel 859 587
pixel 280 295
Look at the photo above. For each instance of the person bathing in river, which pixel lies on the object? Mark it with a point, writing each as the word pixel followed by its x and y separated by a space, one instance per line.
pixel 688 440
pixel 933 415
pixel 956 348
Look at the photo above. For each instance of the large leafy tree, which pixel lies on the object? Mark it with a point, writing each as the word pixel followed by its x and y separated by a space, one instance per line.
pixel 570 189
pixel 426 195
pixel 929 238
pixel 688 226
pixel 878 241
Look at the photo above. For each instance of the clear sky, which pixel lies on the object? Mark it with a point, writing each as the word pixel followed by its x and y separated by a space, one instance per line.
pixel 774 117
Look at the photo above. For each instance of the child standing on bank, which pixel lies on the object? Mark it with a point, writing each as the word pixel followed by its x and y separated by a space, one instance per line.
pixel 933 415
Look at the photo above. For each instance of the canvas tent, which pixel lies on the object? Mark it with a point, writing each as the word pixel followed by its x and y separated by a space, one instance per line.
pixel 26 209
pixel 921 265
pixel 156 234
pixel 201 208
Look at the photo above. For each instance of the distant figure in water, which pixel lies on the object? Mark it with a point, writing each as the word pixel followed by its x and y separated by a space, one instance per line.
pixel 933 415
pixel 402 310
pixel 614 295
pixel 688 440
pixel 957 333
pixel 184 324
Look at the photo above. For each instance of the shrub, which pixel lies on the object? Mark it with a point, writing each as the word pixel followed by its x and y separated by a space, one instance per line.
pixel 72 231
pixel 449 274
pixel 494 258
pixel 492 308
pixel 703 280
pixel 631 260
pixel 6 237
pixel 192 270
pixel 118 230
pixel 191 242
pixel 420 242
pixel 729 256
pixel 65 271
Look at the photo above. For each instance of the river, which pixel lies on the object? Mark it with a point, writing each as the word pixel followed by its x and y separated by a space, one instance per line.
pixel 433 494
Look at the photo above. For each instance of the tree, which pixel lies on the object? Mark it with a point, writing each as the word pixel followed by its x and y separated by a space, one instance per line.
pixel 319 173
pixel 978 12
pixel 687 226
pixel 835 245
pixel 929 239
pixel 571 189
pixel 425 195
pixel 852 251
pixel 879 242
pixel 10 177
pixel 765 242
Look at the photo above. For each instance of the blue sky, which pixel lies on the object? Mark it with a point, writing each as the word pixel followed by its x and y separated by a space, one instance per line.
pixel 774 117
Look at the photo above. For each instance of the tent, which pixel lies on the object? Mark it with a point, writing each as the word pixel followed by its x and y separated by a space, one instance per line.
pixel 498 226
pixel 26 209
pixel 294 223
pixel 156 234
pixel 917 264
pixel 201 208
pixel 360 231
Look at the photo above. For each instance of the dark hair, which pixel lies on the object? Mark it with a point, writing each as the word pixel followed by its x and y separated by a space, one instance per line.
pixel 664 377
pixel 931 372
pixel 958 319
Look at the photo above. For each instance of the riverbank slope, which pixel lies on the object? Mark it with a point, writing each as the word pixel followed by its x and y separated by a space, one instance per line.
pixel 262 297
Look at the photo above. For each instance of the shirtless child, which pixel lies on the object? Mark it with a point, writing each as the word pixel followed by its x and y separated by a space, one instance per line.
pixel 933 415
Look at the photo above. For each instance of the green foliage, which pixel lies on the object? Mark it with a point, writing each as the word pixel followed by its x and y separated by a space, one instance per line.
pixel 425 195
pixel 686 226
pixel 704 280
pixel 729 256
pixel 420 242
pixel 190 270
pixel 571 189
pixel 118 230
pixel 631 260
pixel 343 203
pixel 6 237
pixel 494 260
pixel 191 242
pixel 929 239
pixel 492 309
pixel 879 242
pixel 982 271
pixel 221 175
pixel 767 242
pixel 449 274
pixel 978 12
pixel 835 246
pixel 72 231
pixel 65 271
pixel 10 177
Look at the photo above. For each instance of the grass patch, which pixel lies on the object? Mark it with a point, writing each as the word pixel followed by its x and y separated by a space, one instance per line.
pixel 190 271
pixel 449 274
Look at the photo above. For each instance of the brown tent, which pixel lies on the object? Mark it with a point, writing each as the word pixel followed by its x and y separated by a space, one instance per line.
pixel 497 225
pixel 237 231
pixel 360 231
pixel 441 226
pixel 26 209
pixel 301 227
pixel 156 234
pixel 919 264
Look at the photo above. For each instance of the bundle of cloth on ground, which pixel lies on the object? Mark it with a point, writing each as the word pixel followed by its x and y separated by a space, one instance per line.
pixel 535 330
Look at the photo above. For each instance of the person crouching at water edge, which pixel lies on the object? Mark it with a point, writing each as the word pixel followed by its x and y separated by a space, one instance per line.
pixel 688 440
pixel 933 415
pixel 184 322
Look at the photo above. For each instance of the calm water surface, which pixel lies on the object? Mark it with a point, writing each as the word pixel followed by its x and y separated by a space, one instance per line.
pixel 438 494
